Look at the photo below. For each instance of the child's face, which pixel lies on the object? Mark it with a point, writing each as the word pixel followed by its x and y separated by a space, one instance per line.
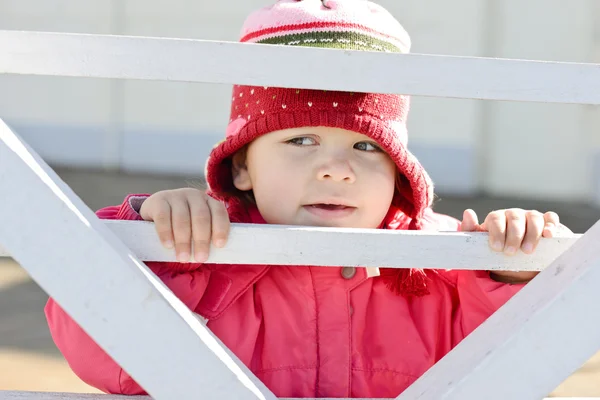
pixel 317 176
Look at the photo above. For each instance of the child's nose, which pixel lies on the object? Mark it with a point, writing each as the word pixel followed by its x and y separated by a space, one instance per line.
pixel 338 170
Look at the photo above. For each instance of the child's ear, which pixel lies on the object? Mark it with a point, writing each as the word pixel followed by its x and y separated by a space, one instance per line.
pixel 239 171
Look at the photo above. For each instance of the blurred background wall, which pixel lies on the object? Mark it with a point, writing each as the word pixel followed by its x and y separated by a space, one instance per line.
pixel 108 138
pixel 470 147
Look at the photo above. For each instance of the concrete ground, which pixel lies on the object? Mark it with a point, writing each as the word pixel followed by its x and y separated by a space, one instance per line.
pixel 30 361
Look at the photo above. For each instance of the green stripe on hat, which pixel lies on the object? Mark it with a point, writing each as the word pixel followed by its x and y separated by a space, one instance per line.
pixel 347 40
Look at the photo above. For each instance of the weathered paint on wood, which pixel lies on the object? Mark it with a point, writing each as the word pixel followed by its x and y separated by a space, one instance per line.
pixel 113 296
pixel 531 344
pixel 62 241
pixel 128 57
pixel 294 245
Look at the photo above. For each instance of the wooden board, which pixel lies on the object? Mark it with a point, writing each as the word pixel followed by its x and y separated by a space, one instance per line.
pixel 294 245
pixel 531 344
pixel 127 57
pixel 78 261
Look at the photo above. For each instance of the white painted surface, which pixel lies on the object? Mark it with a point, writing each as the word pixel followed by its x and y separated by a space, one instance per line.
pixel 516 353
pixel 542 321
pixel 127 57
pixel 110 293
pixel 296 245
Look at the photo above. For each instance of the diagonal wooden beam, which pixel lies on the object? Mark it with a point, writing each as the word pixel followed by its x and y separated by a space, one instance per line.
pixel 532 343
pixel 127 57
pixel 114 297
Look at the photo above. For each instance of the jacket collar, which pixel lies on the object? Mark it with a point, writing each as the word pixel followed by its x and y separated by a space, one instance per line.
pixel 228 282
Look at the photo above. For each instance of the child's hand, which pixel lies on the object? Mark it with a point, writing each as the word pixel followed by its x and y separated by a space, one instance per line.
pixel 514 229
pixel 183 215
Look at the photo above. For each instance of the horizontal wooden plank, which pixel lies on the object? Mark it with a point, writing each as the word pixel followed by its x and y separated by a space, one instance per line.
pixel 127 57
pixel 541 336
pixel 295 245
pixel 110 293
pixel 15 395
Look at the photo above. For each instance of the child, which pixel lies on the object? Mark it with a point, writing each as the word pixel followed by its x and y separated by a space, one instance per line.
pixel 320 158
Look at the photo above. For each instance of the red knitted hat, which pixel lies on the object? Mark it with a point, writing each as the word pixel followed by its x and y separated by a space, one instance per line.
pixel 338 24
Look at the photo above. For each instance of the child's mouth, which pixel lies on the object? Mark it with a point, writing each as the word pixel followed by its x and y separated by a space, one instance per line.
pixel 329 210
pixel 329 206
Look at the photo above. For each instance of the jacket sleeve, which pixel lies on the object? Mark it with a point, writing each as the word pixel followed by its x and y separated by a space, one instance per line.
pixel 477 295
pixel 87 360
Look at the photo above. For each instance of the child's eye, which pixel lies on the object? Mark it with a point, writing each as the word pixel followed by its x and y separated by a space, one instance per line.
pixel 302 141
pixel 367 146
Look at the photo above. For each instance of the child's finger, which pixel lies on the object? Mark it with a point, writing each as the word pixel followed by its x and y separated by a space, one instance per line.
pixel 495 224
pixel 182 229
pixel 515 230
pixel 201 225
pixel 552 217
pixel 162 223
pixel 470 222
pixel 551 224
pixel 220 222
pixel 533 231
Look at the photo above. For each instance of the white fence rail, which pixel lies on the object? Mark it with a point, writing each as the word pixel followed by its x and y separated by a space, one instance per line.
pixel 278 245
pixel 126 57
pixel 102 283
pixel 78 261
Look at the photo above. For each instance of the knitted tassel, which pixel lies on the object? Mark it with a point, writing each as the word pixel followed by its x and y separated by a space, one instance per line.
pixel 405 282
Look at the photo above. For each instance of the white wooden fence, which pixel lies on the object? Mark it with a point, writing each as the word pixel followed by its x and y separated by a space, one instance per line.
pixel 94 269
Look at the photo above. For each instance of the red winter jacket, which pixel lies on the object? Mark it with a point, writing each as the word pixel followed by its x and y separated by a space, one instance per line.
pixel 308 331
